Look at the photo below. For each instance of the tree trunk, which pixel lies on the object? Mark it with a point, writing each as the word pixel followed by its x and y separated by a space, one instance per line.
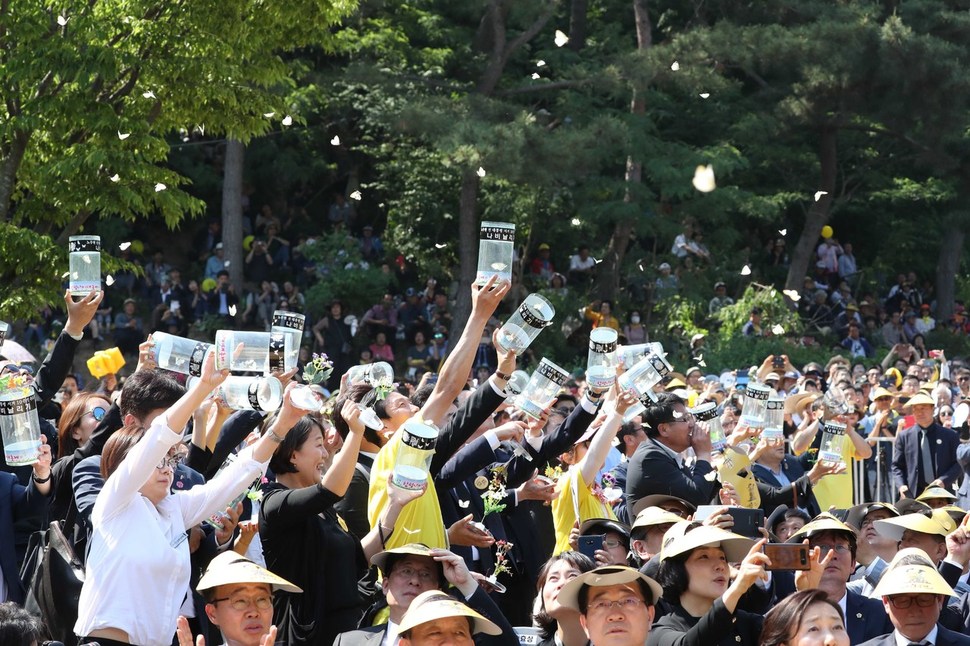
pixel 951 250
pixel 467 251
pixel 608 271
pixel 9 166
pixel 803 255
pixel 577 24
pixel 232 187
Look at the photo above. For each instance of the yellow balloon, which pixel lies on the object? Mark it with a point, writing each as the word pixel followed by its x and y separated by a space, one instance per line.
pixel 208 285
pixel 248 242
pixel 827 231
pixel 138 247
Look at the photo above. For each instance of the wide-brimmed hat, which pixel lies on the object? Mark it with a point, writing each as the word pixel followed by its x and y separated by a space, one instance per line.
pixel 912 572
pixel 858 513
pixel 796 404
pixel 435 604
pixel 935 493
pixel 687 535
pixel 656 500
pixel 652 516
pixel 937 523
pixel 824 522
pixel 920 399
pixel 603 524
pixel 603 576
pixel 881 392
pixel 411 549
pixel 230 568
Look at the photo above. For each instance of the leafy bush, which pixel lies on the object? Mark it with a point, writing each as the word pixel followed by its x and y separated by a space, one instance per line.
pixel 343 275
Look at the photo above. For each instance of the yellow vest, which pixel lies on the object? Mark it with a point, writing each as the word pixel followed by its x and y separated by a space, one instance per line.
pixel 575 495
pixel 420 520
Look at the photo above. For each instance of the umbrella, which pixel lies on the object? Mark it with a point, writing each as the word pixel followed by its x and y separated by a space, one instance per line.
pixel 13 351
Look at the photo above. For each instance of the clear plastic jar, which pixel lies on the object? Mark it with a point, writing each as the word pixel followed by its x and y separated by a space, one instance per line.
pixel 832 449
pixel 601 359
pixel 496 246
pixel 253 352
pixel 84 260
pixel 19 426
pixel 755 405
pixel 178 354
pixel 545 384
pixel 774 429
pixel 292 325
pixel 520 330
pixel 707 413
pixel 414 457
pixel 644 375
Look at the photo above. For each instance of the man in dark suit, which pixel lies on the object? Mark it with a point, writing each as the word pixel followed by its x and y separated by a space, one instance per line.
pixel 864 618
pixel 925 453
pixel 913 594
pixel 409 571
pixel 656 466
pixel 630 436
pixel 17 502
pixel 777 470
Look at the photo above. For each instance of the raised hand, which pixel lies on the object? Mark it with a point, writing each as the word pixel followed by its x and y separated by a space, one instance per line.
pixel 81 313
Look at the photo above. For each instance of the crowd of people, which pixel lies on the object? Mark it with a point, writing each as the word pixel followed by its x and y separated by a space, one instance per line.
pixel 606 520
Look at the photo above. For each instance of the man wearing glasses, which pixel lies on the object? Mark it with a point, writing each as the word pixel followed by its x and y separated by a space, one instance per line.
pixel 657 467
pixel 864 618
pixel 239 600
pixel 616 604
pixel 412 570
pixel 913 594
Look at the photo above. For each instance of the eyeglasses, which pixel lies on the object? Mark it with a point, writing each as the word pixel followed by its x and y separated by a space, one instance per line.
pixel 171 461
pixel 97 413
pixel 407 573
pixel 625 604
pixel 921 600
pixel 242 603
pixel 839 549
pixel 612 544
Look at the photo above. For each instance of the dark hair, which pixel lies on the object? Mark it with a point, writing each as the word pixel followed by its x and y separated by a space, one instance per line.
pixel 645 592
pixel 848 536
pixel 672 577
pixel 148 390
pixel 547 625
pixel 117 447
pixel 788 515
pixel 659 412
pixel 70 419
pixel 280 462
pixel 357 393
pixel 421 395
pixel 18 627
pixel 783 621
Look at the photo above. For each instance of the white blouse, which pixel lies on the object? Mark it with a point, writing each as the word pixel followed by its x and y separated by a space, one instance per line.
pixel 137 572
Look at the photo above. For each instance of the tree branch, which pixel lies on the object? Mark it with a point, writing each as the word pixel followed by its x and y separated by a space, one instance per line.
pixel 554 85
pixel 532 30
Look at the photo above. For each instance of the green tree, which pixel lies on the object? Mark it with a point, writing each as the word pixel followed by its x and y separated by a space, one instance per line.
pixel 91 91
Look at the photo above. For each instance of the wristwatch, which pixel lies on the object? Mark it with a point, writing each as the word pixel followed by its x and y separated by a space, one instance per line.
pixel 42 480
pixel 502 375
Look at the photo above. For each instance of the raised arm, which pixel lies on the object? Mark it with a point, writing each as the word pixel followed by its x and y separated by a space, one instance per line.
pixel 593 461
pixel 458 365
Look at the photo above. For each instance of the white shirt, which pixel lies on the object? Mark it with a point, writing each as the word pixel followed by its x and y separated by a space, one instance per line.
pixel 138 567
pixel 577 263
pixel 929 639
pixel 391 637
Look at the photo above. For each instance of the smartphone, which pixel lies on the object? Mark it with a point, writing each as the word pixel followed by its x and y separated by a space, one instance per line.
pixel 174 306
pixel 742 381
pixel 778 362
pixel 589 544
pixel 747 522
pixel 786 556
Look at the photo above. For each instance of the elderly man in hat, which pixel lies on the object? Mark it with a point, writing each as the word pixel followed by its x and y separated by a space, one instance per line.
pixel 913 594
pixel 925 453
pixel 615 604
pixel 239 601
pixel 874 550
pixel 647 536
pixel 408 572
pixel 436 618
pixel 864 618
pixel 934 532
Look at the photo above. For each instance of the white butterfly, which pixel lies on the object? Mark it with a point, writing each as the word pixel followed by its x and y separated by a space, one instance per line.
pixel 269 115
pixel 61 20
pixel 287 120
pixel 819 194
pixel 124 245
pixel 480 172
pixel 674 66
pixel 783 232
pixel 746 271
pixel 561 38
pixel 160 187
pixel 535 76
pixel 335 141
pixel 115 178
pixel 232 310
pixel 704 179
pixel 464 503
pixel 704 95
pixel 149 94
pixel 123 135
pixel 109 280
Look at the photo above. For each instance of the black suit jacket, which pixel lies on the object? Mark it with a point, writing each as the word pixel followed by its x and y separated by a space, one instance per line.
pixel 906 457
pixel 479 602
pixel 772 491
pixel 865 618
pixel 16 501
pixel 944 637
pixel 653 470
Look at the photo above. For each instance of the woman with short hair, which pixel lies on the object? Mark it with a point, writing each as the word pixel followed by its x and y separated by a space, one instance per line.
pixel 806 618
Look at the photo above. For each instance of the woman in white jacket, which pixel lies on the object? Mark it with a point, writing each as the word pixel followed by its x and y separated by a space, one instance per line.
pixel 137 572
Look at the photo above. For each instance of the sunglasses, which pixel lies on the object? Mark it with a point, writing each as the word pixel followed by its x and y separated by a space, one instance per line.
pixel 97 413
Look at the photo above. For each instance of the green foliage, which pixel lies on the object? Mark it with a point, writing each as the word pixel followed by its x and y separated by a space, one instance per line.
pixel 92 90
pixel 343 275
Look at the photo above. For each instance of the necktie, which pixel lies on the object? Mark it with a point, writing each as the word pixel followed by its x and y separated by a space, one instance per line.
pixel 926 460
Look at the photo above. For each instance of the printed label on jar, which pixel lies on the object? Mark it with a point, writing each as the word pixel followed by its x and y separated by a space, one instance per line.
pixel 277 346
pixel 253 395
pixel 552 373
pixel 602 348
pixel 531 318
pixel 79 287
pixel 289 321
pixel 197 358
pixel 500 234
pixel 18 406
pixel 75 245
